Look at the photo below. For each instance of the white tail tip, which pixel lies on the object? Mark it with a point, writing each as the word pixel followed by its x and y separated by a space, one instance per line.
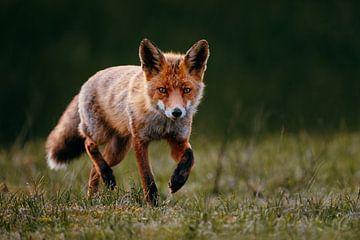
pixel 53 164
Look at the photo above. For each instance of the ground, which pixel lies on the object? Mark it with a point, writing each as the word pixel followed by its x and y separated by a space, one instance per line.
pixel 275 186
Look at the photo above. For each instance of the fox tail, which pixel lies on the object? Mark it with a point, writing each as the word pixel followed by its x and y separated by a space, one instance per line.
pixel 65 143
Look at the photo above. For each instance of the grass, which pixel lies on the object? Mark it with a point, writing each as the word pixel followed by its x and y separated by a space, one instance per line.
pixel 280 186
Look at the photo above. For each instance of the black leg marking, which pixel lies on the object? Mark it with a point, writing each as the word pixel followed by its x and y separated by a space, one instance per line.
pixel 182 171
pixel 153 194
pixel 108 177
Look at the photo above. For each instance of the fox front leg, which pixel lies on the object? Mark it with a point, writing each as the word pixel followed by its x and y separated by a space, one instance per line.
pixel 147 178
pixel 183 155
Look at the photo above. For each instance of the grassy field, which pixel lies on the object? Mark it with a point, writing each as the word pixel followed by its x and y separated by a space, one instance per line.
pixel 280 186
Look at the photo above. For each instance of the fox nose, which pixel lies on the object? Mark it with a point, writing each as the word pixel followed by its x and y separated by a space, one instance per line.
pixel 177 112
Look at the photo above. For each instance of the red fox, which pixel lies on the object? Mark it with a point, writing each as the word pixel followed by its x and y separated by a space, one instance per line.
pixel 130 106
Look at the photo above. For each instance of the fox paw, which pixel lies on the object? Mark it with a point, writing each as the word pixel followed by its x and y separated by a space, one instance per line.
pixel 177 181
pixel 152 196
pixel 108 178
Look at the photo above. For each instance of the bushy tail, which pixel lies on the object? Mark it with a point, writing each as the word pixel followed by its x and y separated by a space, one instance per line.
pixel 65 142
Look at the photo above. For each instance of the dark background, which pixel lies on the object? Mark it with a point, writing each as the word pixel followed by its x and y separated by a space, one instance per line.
pixel 289 65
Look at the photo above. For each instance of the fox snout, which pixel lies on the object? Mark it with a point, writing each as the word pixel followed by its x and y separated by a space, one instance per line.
pixel 171 112
pixel 177 112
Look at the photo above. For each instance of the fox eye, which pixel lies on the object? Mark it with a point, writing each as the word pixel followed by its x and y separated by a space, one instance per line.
pixel 187 90
pixel 162 89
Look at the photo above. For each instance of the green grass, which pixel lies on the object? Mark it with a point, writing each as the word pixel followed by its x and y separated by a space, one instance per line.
pixel 279 186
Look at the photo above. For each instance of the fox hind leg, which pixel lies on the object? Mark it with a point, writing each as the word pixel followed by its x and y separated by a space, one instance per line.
pixel 116 149
pixel 93 183
pixel 114 152
pixel 100 165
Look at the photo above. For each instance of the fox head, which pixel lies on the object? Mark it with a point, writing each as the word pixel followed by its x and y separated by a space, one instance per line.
pixel 174 81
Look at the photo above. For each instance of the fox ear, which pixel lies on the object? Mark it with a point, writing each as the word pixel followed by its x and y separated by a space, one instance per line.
pixel 196 58
pixel 151 57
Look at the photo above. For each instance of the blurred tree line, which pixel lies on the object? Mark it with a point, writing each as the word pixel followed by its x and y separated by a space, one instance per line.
pixel 293 64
